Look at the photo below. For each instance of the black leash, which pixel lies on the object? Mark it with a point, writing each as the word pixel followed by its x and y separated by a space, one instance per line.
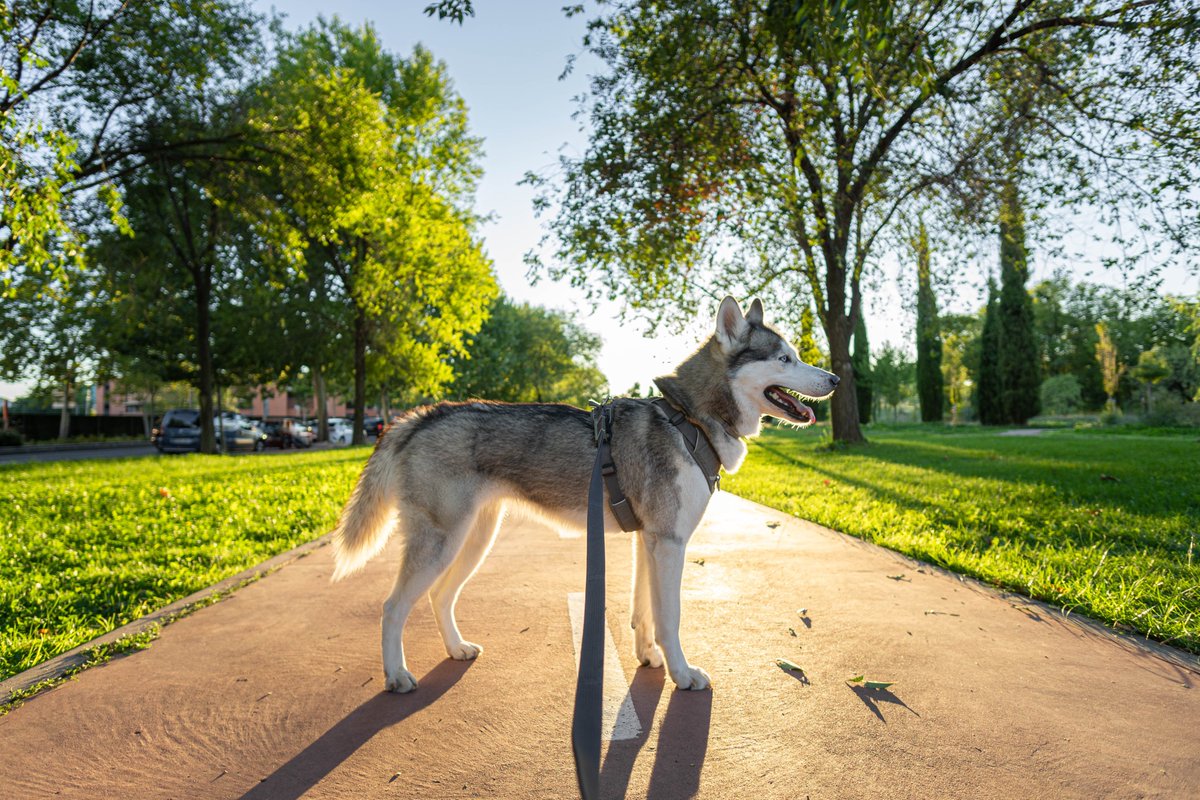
pixel 589 688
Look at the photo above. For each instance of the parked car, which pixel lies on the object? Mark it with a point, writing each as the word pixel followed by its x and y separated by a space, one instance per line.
pixel 302 434
pixel 179 432
pixel 341 431
pixel 373 426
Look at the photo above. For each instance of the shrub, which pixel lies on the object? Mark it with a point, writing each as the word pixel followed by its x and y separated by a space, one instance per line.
pixel 1173 414
pixel 10 438
pixel 1060 394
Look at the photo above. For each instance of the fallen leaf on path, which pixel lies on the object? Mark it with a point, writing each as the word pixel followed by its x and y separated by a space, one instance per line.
pixel 802 612
pixel 789 666
pixel 940 614
pixel 792 631
pixel 772 524
pixel 900 577
pixel 878 684
pixel 699 561
pixel 855 679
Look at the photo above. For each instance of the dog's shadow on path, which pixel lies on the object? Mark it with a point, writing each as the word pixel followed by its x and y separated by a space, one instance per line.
pixel 680 746
pixel 338 743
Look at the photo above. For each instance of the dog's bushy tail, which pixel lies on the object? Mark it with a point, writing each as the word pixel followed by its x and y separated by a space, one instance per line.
pixel 368 518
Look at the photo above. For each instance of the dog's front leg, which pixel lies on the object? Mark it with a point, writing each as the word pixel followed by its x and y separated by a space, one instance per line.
pixel 666 575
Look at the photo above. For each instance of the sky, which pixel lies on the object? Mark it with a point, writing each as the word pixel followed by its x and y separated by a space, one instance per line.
pixel 506 63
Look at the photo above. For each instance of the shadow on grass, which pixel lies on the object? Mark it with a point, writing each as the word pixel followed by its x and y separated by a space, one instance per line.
pixel 309 766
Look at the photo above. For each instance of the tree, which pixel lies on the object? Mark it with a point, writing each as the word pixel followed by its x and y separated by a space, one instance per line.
pixel 47 334
pixel 894 375
pixel 1151 368
pixel 1019 365
pixel 862 370
pixel 525 353
pixel 989 387
pixel 1112 369
pixel 76 82
pixel 929 340
pixel 777 141
pixel 372 181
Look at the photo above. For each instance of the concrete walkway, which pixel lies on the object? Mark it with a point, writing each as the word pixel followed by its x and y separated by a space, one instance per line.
pixel 276 692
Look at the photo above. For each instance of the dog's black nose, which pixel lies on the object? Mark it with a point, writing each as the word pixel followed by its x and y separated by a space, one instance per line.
pixel 835 380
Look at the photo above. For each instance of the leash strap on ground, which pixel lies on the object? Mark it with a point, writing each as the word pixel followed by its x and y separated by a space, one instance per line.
pixel 585 726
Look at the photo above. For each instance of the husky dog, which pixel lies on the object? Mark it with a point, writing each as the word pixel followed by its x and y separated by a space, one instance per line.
pixel 442 476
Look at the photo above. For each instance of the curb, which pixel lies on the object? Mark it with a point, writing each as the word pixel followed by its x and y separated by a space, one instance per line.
pixel 60 665
pixel 61 448
pixel 1081 623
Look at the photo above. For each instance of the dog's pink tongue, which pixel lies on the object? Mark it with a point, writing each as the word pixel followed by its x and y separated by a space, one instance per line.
pixel 808 412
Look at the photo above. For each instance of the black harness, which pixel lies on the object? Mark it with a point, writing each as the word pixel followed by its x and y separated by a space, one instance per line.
pixel 699 447
pixel 589 686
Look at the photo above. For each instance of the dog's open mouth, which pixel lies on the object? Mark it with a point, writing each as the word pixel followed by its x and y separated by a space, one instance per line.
pixel 789 402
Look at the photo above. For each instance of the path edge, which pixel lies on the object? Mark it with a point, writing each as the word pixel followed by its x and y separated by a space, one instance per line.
pixel 1081 623
pixel 72 660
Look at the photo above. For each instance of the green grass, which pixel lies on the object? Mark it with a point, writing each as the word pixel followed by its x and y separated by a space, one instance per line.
pixel 1029 514
pixel 87 546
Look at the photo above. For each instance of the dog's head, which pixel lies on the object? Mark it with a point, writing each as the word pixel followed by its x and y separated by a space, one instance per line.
pixel 766 374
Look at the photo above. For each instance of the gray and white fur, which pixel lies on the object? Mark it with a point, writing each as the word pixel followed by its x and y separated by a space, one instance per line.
pixel 443 476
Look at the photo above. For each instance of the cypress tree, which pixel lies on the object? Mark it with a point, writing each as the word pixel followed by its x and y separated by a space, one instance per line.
pixel 1020 374
pixel 988 390
pixel 929 340
pixel 860 358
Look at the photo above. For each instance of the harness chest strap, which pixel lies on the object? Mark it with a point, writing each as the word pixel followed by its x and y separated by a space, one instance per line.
pixel 697 443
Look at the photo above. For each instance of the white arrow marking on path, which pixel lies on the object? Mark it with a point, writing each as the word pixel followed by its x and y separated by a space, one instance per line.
pixel 620 720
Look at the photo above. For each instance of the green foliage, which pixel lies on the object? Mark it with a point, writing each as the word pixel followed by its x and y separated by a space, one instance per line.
pixel 893 377
pixel 861 358
pixel 1018 362
pixel 1060 394
pixel 989 388
pixel 91 545
pixel 929 339
pixel 1029 515
pixel 368 194
pixel 526 353
pixel 77 83
pixel 718 126
pixel 10 438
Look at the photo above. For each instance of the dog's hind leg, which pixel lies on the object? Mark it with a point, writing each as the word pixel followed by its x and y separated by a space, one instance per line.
pixel 445 591
pixel 642 618
pixel 428 550
pixel 666 576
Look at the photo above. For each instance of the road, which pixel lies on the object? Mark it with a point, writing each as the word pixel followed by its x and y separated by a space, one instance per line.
pixel 126 451
pixel 276 692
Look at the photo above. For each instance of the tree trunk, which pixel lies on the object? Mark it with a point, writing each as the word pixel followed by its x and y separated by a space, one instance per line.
pixel 385 406
pixel 64 419
pixel 843 405
pixel 208 443
pixel 360 375
pixel 322 412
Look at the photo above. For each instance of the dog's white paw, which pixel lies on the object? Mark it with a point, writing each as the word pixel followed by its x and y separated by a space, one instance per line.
pixel 648 654
pixel 464 651
pixel 402 683
pixel 694 679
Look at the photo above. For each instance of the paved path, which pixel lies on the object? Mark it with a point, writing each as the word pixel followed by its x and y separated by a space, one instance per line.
pixel 275 693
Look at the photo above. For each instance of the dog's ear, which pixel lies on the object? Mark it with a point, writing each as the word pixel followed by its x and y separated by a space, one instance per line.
pixel 731 325
pixel 755 314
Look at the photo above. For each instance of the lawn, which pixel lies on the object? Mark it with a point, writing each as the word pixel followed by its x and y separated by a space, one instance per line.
pixel 87 546
pixel 1098 524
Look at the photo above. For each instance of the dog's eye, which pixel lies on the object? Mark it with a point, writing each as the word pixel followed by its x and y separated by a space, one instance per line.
pixel 786 359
